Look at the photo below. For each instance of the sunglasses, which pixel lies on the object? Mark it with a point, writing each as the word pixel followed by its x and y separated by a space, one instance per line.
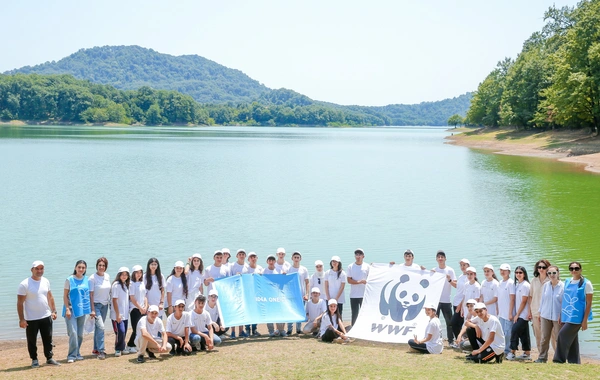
pixel 574 269
pixel 542 267
pixel 518 272
pixel 551 273
pixel 180 306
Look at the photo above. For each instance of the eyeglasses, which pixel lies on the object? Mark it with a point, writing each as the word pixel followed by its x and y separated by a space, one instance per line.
pixel 542 267
pixel 574 269
pixel 478 311
pixel 518 272
pixel 551 273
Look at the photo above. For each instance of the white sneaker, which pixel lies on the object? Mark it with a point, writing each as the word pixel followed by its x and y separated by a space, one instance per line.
pixel 524 356
pixel 510 356
pixel 126 351
pixel 132 350
pixel 117 354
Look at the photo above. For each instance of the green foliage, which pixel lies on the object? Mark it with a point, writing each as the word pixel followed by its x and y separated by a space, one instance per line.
pixel 456 120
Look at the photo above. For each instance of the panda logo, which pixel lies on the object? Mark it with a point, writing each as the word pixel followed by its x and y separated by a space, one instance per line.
pixel 402 306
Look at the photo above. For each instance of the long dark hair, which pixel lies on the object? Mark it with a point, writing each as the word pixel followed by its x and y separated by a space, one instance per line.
pixel 200 267
pixel 522 269
pixel 183 282
pixel 536 271
pixel 149 275
pixel 339 271
pixel 337 313
pixel 127 282
pixel 77 263
pixel 134 279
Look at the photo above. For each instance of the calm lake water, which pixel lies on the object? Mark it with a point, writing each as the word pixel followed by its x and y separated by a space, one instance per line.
pixel 69 193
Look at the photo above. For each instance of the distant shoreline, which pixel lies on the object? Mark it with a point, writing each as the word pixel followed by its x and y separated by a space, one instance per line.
pixel 576 146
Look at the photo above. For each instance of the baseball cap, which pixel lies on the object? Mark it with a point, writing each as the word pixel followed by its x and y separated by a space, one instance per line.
pixel 123 269
pixel 336 258
pixel 332 301
pixel 179 302
pixel 408 252
pixel 280 250
pixel 359 251
pixel 315 290
pixel 271 257
pixel 136 268
pixel 179 264
pixel 197 255
pixel 37 263
pixel 466 261
pixel 471 301
pixel 241 251
pixel 318 262
pixel 217 253
pixel 153 308
pixel 430 306
pixel 504 267
pixel 252 254
pixel 471 269
pixel 480 305
pixel 225 250
pixel 488 266
pixel 213 292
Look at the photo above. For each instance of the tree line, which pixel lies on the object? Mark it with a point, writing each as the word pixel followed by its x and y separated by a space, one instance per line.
pixel 555 80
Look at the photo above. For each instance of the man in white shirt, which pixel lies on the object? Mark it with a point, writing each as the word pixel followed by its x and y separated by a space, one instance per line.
pixel 315 308
pixel 148 338
pixel 282 265
pixel 239 267
pixel 216 271
pixel 357 278
pixel 486 337
pixel 445 305
pixel 303 278
pixel 178 329
pixel 409 256
pixel 271 269
pixel 36 310
pixel 202 335
pixel 251 330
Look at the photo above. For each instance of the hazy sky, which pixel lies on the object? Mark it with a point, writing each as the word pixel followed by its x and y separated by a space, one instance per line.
pixel 372 52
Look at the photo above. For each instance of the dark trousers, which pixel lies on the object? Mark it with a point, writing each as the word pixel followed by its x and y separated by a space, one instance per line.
pixel 421 347
pixel 134 316
pixel 456 323
pixel 44 326
pixel 446 309
pixel 520 330
pixel 120 329
pixel 567 344
pixel 486 355
pixel 177 348
pixel 330 335
pixel 355 305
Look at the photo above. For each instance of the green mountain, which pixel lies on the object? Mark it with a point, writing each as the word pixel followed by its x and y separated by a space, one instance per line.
pixel 132 67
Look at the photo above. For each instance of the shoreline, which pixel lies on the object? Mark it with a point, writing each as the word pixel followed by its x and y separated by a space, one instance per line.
pixel 577 147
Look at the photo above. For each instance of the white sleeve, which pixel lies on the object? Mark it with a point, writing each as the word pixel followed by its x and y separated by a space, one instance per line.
pixel 589 288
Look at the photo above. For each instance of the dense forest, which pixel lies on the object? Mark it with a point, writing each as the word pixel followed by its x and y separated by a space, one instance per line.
pixel 112 79
pixel 554 81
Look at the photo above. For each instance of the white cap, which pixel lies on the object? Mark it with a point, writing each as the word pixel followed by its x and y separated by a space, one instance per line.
pixel 332 301
pixel 179 302
pixel 504 267
pixel 136 268
pixel 225 250
pixel 318 262
pixel 197 255
pixel 336 258
pixel 37 263
pixel 123 269
pixel 179 263
pixel 471 269
pixel 213 292
pixel 471 301
pixel 241 251
pixel 280 250
pixel 217 252
pixel 466 261
pixel 271 257
pixel 252 254
pixel 153 308
pixel 480 305
pixel 430 306
pixel 315 290
pixel 488 266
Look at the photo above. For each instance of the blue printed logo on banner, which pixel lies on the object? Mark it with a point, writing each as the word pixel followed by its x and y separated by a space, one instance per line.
pixel 403 306
pixel 253 298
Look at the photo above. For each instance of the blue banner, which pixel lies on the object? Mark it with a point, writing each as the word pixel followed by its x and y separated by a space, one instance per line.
pixel 254 298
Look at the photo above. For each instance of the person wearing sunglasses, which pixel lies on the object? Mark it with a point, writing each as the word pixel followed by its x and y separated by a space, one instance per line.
pixel 575 314
pixel 520 329
pixel 540 277
pixel 318 279
pixel 550 305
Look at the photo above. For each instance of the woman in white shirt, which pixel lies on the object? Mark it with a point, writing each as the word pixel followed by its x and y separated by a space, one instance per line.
pixel 194 270
pixel 177 288
pixel 138 304
pixel 520 329
pixel 549 312
pixel 332 326
pixel 335 281
pixel 155 283
pixel 472 289
pixel 433 342
pixel 100 292
pixel 119 312
pixel 489 290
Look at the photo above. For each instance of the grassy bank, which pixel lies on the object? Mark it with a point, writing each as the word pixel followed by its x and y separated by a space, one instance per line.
pixel 296 357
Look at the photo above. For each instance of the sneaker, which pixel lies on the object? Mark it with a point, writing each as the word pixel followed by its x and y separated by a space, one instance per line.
pixel 338 340
pixel 300 332
pixel 132 350
pixel 117 353
pixel 315 333
pixel 275 333
pixel 540 361
pixel 232 336
pixel 70 360
pixel 289 332
pixel 470 357
pixel 256 333
pixel 141 359
pixel 244 335
pixel 52 362
pixel 80 357
pixel 453 345
pixel 35 363
pixel 510 356
pixel 102 355
pixel 524 356
pixel 150 354
pixel 284 334
pixel 95 353
pixel 272 334
pixel 126 351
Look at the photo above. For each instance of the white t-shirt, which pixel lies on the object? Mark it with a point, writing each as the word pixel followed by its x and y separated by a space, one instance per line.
pixel 335 284
pixel 492 325
pixel 489 290
pixel 326 322
pixel 138 291
pixel 412 266
pixel 175 287
pixel 270 271
pixel 258 269
pixel 357 273
pixel 436 344
pixel 471 291
pixel 239 269
pixel 319 282
pixel 154 292
pixel 313 310
pixel 122 296
pixel 194 280
pixel 216 273
pixel 447 289
pixel 505 289
pixel 177 326
pixel 101 286
pixel 152 328
pixel 283 268
pixel 302 276
pixel 214 312
pixel 522 290
pixel 201 321
pixel 460 289
pixel 589 288
pixel 36 298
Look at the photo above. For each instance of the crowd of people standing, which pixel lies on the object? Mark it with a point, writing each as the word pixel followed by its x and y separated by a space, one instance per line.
pixel 489 318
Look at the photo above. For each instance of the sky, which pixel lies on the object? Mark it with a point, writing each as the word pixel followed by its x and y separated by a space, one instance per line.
pixel 374 52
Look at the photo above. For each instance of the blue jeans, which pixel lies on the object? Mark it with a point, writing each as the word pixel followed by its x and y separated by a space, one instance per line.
pixel 101 311
pixel 507 328
pixel 75 332
pixel 120 330
pixel 200 343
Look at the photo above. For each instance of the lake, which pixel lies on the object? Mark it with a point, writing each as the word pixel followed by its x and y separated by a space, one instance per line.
pixel 69 193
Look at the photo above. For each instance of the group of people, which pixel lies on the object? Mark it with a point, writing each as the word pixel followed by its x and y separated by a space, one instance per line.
pixel 488 318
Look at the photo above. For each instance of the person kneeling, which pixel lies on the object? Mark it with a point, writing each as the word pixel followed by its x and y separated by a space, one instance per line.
pixel 202 336
pixel 315 309
pixel 150 329
pixel 178 329
pixel 486 336
pixel 433 342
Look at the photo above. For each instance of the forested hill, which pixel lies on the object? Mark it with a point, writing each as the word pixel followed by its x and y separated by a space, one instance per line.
pixel 132 67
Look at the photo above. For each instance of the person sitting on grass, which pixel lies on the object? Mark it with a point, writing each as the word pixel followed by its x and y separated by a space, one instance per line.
pixel 332 326
pixel 315 309
pixel 148 337
pixel 433 342
pixel 213 309
pixel 178 329
pixel 202 335
pixel 487 337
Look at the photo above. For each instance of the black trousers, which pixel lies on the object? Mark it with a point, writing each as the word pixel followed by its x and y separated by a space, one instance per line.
pixel 421 347
pixel 456 323
pixel 355 305
pixel 134 316
pixel 567 344
pixel 486 355
pixel 446 309
pixel 44 326
pixel 329 335
pixel 520 330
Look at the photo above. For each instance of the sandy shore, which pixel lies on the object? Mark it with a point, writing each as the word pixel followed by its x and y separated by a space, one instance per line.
pixel 569 146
